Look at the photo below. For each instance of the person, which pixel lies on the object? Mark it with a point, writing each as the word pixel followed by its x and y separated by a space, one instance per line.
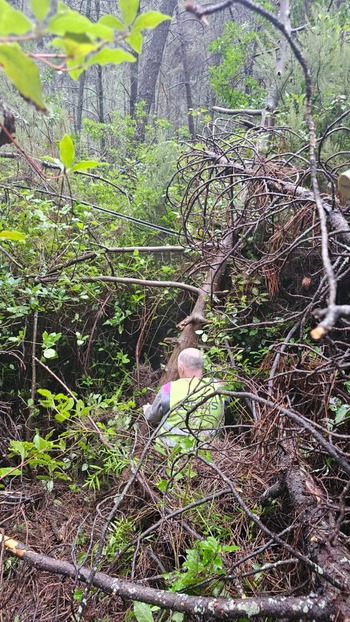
pixel 177 401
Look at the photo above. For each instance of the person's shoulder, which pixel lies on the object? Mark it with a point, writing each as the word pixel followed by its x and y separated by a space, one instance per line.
pixel 165 388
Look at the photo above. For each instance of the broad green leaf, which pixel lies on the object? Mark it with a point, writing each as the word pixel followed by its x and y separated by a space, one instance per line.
pixel 112 22
pixel 67 151
pixel 50 353
pixel 135 41
pixel 13 22
pixel 41 443
pixel 151 19
pixel 342 413
pixel 74 42
pixel 143 612
pixel 230 548
pixel 44 392
pixel 76 66
pixel 23 73
pixel 40 8
pixel 129 10
pixel 55 161
pixel 105 56
pixel 12 235
pixel 68 21
pixel 9 471
pixel 76 47
pixel 84 165
pixel 63 415
pixel 19 447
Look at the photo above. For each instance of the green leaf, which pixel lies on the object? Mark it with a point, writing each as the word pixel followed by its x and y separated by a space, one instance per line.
pixel 23 73
pixel 13 22
pixel 105 56
pixel 55 161
pixel 63 415
pixel 40 8
pixel 12 235
pixel 19 447
pixel 68 22
pixel 129 10
pixel 135 41
pixel 45 392
pixel 67 151
pixel 84 165
pixel 77 47
pixel 162 484
pixel 342 413
pixel 151 19
pixel 112 22
pixel 9 471
pixel 142 612
pixel 50 353
pixel 230 548
pixel 76 66
pixel 41 443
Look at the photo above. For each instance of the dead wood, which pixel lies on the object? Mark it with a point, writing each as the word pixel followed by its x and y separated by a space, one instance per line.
pixel 311 607
pixel 317 520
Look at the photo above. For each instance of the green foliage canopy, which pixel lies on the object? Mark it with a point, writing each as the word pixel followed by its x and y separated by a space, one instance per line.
pixel 82 42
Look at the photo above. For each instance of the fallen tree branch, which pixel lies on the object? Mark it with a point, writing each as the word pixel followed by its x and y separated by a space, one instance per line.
pixel 114 249
pixel 131 281
pixel 332 214
pixel 305 423
pixel 310 607
pixel 237 111
pixel 331 315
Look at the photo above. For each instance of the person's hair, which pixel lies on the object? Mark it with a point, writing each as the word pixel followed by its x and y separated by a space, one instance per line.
pixel 191 358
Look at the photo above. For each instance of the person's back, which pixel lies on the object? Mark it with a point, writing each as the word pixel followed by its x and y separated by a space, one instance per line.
pixel 183 400
pixel 190 413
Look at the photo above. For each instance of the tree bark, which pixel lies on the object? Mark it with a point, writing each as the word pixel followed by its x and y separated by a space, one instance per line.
pixel 152 57
pixel 280 607
pixel 82 80
pixel 211 285
pixel 281 60
pixel 186 69
pixel 320 541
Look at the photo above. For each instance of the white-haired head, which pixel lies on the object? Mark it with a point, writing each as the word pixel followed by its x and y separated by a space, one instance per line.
pixel 190 363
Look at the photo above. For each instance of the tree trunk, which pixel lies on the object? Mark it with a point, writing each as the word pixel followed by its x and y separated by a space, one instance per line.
pixel 282 56
pixel 211 285
pixel 134 71
pixel 319 536
pixel 309 607
pixel 152 57
pixel 189 102
pixel 82 80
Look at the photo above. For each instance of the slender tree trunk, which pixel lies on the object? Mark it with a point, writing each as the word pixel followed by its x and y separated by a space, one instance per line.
pixel 80 104
pixel 189 102
pixel 152 57
pixel 134 84
pixel 99 87
pixel 82 79
pixel 282 56
pixel 210 285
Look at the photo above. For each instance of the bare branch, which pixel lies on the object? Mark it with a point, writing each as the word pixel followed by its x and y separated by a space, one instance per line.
pixel 310 607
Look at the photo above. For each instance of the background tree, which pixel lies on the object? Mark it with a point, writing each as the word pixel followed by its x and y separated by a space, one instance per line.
pixel 105 276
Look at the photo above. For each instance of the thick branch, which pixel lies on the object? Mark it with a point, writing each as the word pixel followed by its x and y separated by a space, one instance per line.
pixel 337 222
pixel 308 607
pixel 127 280
pixel 237 111
pixel 115 249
